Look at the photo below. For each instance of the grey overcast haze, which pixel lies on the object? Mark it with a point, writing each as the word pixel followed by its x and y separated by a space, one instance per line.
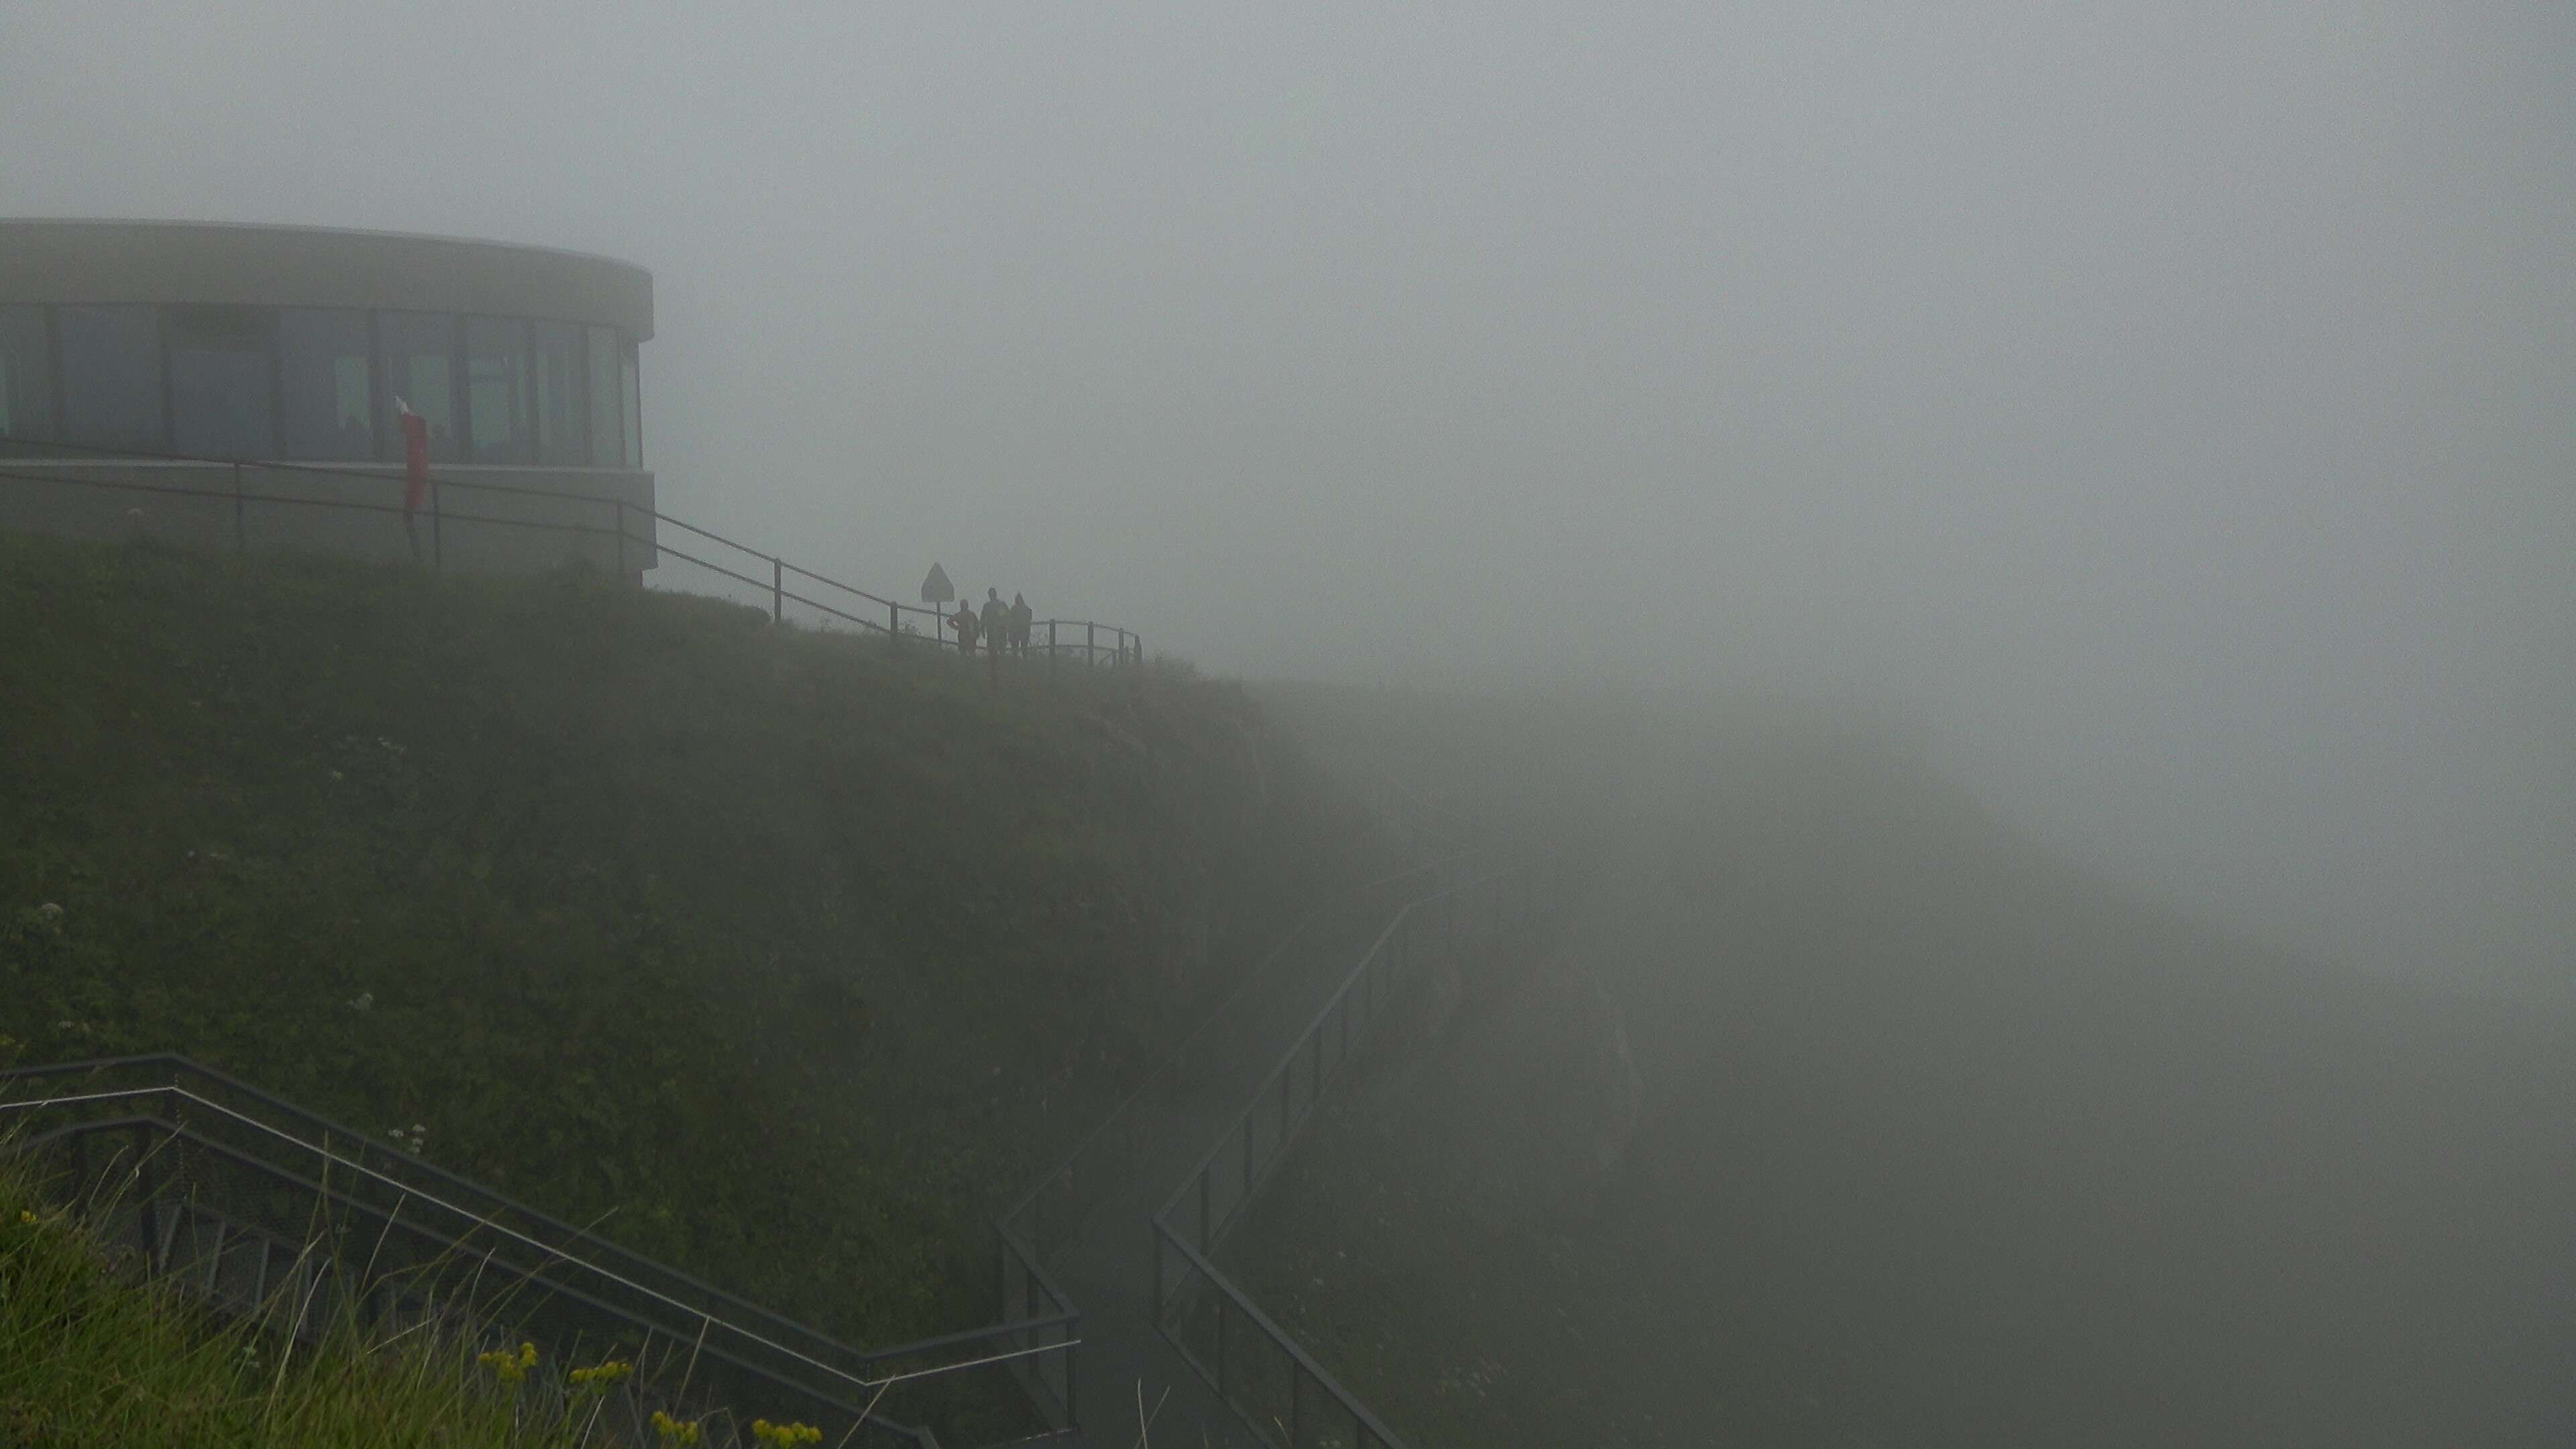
pixel 2174 404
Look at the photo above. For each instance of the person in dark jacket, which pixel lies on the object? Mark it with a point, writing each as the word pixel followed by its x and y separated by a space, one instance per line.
pixel 1021 614
pixel 997 622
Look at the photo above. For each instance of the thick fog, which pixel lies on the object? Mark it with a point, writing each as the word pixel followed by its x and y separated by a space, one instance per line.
pixel 2173 403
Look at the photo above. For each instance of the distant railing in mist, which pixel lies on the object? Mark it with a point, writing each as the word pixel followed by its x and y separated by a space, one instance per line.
pixel 1253 1363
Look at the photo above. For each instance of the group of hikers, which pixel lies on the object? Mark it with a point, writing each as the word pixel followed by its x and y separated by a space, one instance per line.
pixel 1003 628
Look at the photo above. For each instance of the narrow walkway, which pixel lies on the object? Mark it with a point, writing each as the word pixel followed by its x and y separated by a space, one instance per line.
pixel 1108 1269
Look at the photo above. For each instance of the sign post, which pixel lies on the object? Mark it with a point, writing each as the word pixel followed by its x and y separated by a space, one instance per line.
pixel 937 592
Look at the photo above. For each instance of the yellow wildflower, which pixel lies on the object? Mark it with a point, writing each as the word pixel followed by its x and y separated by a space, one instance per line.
pixel 510 1368
pixel 784 1436
pixel 675 1433
pixel 599 1377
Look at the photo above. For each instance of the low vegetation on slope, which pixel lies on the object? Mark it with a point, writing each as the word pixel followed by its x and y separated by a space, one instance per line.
pixel 88 1356
pixel 781 956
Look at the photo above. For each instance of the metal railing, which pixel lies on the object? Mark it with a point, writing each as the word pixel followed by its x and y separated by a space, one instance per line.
pixel 300 1255
pixel 1421 825
pixel 1054 1211
pixel 466 522
pixel 1251 1362
pixel 225 1147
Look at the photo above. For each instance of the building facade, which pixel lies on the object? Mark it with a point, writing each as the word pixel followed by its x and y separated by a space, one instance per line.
pixel 183 379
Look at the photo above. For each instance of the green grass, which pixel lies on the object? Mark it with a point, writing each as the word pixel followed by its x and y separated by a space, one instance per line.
pixel 786 958
pixel 89 1356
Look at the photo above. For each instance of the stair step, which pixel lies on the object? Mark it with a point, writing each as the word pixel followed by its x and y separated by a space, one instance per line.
pixel 195 1240
pixel 239 1271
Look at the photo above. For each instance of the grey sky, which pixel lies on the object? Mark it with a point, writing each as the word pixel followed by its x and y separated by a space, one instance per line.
pixel 2174 399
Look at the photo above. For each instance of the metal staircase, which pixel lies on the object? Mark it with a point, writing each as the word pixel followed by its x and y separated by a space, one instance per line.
pixel 257 1209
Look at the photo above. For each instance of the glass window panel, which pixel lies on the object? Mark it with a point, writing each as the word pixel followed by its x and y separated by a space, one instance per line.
pixel 496 379
pixel 607 432
pixel 563 434
pixel 26 374
pixel 634 411
pixel 223 381
pixel 419 362
pixel 112 376
pixel 330 390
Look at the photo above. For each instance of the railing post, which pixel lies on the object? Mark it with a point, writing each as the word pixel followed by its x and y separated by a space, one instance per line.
pixel 1050 648
pixel 241 529
pixel 149 1173
pixel 1073 1331
pixel 777 591
pixel 894 622
pixel 437 529
pixel 1090 643
pixel 621 538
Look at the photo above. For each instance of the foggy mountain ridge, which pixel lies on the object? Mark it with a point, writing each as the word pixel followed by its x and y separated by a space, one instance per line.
pixel 1945 1139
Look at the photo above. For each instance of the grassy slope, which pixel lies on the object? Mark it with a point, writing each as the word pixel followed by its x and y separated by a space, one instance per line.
pixel 1941 1142
pixel 89 1357
pixel 785 956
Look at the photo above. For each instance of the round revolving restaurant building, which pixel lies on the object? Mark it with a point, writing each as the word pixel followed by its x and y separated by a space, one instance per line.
pixel 238 386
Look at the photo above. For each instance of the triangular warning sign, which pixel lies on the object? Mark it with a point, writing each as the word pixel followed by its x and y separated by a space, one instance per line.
pixel 936 589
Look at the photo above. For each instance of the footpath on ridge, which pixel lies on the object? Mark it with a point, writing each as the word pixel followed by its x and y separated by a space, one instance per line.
pixel 1106 1264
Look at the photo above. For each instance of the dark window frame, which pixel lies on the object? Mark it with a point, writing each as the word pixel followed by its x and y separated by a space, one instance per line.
pixel 274 353
pixel 165 443
pixel 161 336
pixel 580 380
pixel 615 381
pixel 631 386
pixel 379 403
pixel 54 368
pixel 460 407
pixel 524 439
pixel 49 367
pixel 368 339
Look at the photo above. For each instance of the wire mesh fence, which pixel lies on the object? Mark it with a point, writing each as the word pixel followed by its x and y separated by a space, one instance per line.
pixel 161 1140
pixel 305 1257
